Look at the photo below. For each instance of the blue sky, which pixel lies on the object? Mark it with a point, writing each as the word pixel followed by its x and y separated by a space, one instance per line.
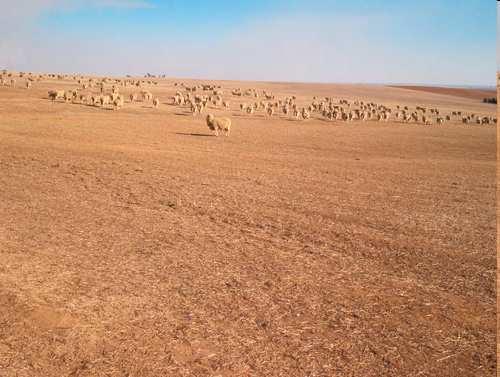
pixel 432 42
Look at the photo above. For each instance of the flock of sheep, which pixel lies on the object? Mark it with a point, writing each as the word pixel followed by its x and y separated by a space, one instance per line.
pixel 326 108
pixel 197 99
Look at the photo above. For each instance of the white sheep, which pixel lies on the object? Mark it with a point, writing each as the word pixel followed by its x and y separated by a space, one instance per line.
pixel 56 94
pixel 217 124
pixel 118 102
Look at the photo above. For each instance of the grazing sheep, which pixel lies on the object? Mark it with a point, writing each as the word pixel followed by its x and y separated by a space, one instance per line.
pixel 56 94
pixel 219 124
pixel 179 99
pixel 104 100
pixel 118 102
pixel 114 96
pixel 146 96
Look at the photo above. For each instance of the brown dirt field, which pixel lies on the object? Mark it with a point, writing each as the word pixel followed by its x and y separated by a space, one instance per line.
pixel 133 243
pixel 478 94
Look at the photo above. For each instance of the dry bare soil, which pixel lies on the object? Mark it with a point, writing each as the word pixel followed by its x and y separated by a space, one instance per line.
pixel 459 92
pixel 133 243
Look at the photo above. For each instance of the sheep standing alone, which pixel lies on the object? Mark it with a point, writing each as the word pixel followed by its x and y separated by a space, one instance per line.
pixel 217 124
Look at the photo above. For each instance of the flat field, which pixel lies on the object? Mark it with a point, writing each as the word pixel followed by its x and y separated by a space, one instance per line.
pixel 134 243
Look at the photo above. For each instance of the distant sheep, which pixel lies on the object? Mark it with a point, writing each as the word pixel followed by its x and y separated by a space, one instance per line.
pixel 305 114
pixel 104 100
pixel 217 124
pixel 156 103
pixel 118 102
pixel 146 96
pixel 56 94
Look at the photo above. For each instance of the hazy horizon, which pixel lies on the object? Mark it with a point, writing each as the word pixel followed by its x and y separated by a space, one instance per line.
pixel 445 43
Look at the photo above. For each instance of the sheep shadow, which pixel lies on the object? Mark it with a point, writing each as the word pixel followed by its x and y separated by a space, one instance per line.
pixel 194 134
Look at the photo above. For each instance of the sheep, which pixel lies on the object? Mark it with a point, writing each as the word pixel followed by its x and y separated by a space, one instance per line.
pixel 133 97
pixel 178 99
pixel 56 94
pixel 104 100
pixel 28 84
pixel 201 106
pixel 146 96
pixel 219 124
pixel 114 96
pixel 226 105
pixel 270 111
pixel 118 102
pixel 156 103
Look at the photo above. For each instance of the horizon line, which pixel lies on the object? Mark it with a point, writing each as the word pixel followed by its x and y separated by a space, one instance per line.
pixel 158 76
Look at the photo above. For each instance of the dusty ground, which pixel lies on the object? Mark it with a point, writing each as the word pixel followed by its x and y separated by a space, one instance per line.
pixel 133 244
pixel 478 94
